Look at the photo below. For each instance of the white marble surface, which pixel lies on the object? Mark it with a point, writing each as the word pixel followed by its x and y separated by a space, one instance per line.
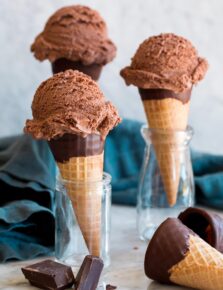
pixel 127 253
pixel 129 23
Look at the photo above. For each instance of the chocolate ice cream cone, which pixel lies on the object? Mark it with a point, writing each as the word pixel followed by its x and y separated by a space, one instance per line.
pixel 167 111
pixel 72 114
pixel 177 255
pixel 62 64
pixel 164 68
pixel 80 161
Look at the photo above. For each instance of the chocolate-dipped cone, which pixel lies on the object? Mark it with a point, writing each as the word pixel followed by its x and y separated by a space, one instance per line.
pixel 167 111
pixel 62 64
pixel 70 111
pixel 208 226
pixel 177 255
pixel 80 161
pixel 164 68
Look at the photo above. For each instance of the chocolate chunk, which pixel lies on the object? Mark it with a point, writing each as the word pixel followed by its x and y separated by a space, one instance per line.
pixel 208 226
pixel 168 246
pixel 110 287
pixel 89 273
pixel 49 275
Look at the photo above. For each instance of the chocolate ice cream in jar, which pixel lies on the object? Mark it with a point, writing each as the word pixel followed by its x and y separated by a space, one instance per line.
pixel 75 37
pixel 165 68
pixel 72 114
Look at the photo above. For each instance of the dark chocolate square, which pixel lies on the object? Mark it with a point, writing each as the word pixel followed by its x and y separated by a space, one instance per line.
pixel 49 275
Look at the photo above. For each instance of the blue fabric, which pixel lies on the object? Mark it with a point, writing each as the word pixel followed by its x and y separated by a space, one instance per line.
pixel 27 182
pixel 124 152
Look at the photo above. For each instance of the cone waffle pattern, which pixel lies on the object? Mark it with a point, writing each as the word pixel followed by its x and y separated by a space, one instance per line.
pixel 167 114
pixel 202 268
pixel 86 196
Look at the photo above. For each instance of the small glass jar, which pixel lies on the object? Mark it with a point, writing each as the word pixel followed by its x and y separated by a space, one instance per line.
pixel 73 239
pixel 166 185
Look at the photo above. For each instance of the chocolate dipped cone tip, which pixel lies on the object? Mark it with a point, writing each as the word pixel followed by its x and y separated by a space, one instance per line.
pixel 159 94
pixel 92 70
pixel 167 247
pixel 177 255
pixel 73 145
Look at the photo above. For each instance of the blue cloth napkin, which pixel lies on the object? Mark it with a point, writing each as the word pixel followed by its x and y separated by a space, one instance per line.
pixel 27 182
pixel 124 152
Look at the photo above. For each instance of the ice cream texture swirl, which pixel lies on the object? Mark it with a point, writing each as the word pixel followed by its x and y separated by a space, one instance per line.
pixel 77 33
pixel 70 102
pixel 166 61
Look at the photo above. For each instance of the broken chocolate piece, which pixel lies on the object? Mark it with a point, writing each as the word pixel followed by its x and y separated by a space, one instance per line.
pixel 89 273
pixel 49 275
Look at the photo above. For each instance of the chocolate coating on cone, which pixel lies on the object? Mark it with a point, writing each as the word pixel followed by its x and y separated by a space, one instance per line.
pixel 71 145
pixel 208 226
pixel 168 246
pixel 62 64
pixel 159 94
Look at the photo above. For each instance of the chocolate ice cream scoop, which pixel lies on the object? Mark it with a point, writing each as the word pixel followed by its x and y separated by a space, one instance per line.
pixel 75 33
pixel 165 61
pixel 70 103
pixel 208 226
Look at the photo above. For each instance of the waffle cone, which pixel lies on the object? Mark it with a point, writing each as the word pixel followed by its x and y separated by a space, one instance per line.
pixel 202 268
pixel 167 114
pixel 86 196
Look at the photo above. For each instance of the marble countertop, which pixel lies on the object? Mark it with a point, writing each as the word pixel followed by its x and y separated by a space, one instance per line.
pixel 127 255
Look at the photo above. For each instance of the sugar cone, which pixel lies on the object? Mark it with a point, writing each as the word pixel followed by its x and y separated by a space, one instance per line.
pixel 202 267
pixel 80 161
pixel 167 114
pixel 86 195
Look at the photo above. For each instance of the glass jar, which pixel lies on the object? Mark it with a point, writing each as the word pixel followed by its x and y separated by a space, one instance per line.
pixel 166 185
pixel 82 220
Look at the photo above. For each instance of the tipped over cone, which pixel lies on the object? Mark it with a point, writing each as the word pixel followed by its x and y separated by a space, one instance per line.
pixel 167 111
pixel 83 181
pixel 177 255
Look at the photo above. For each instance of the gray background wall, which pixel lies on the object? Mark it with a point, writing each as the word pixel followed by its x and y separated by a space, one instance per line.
pixel 129 23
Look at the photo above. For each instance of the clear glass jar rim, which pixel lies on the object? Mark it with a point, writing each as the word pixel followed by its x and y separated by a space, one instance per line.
pixel 189 131
pixel 106 180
